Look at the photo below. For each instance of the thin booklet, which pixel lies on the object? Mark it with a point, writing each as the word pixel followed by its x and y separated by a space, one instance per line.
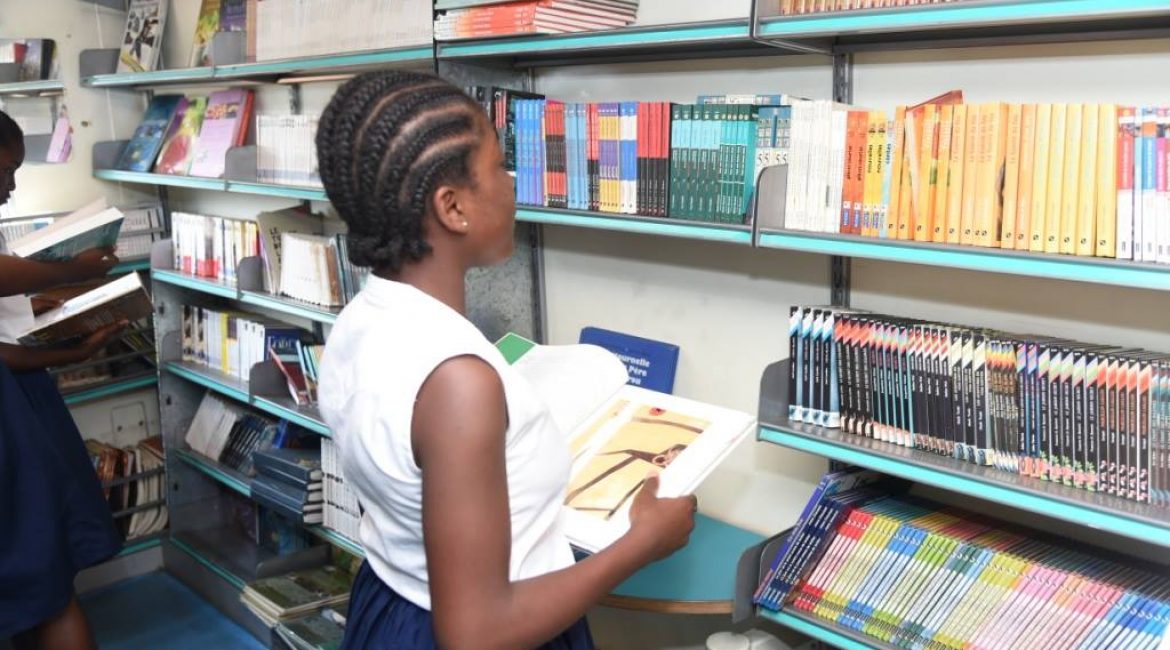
pixel 619 433
pixel 94 226
pixel 123 299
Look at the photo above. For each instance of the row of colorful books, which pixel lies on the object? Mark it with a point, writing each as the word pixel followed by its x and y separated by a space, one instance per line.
pixel 1096 417
pixel 131 498
pixel 1075 179
pixel 913 574
pixel 655 159
pixel 233 342
pixel 797 7
pixel 503 18
pixel 212 247
pixel 182 135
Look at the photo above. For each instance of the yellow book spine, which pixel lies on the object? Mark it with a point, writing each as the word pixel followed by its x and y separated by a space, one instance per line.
pixel 1056 146
pixel 1011 179
pixel 1071 193
pixel 927 174
pixel 1023 228
pixel 955 173
pixel 895 170
pixel 1106 182
pixel 1040 167
pixel 1086 237
pixel 976 128
pixel 941 196
pixel 911 196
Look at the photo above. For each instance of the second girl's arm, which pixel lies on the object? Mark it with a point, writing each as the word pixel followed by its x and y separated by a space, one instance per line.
pixel 458 437
pixel 19 276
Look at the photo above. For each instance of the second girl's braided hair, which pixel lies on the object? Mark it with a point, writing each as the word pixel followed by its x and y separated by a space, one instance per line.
pixel 386 141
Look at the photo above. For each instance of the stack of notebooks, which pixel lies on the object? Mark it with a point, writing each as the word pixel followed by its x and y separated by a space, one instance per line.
pixel 289 482
pixel 914 574
pixel 1086 416
pixel 183 136
pixel 485 18
pixel 227 434
pixel 287 597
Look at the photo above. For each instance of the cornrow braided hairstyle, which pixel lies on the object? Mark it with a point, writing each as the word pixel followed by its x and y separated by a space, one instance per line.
pixel 10 133
pixel 386 141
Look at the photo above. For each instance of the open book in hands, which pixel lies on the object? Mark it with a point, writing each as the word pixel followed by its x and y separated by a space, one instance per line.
pixel 92 226
pixel 124 299
pixel 619 433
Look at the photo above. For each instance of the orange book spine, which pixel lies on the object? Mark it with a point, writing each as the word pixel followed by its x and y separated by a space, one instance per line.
pixel 1011 180
pixel 1071 188
pixel 1023 226
pixel 976 129
pixel 1086 236
pixel 942 191
pixel 1056 155
pixel 989 210
pixel 927 174
pixel 956 172
pixel 1039 233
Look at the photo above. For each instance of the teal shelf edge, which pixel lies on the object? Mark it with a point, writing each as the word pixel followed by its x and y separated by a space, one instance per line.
pixel 223 573
pixel 325 63
pixel 967 482
pixel 665 227
pixel 133 547
pixel 1060 267
pixel 133 265
pixel 143 178
pixel 205 379
pixel 154 77
pixel 678 35
pixel 338 540
pixel 195 284
pixel 291 415
pixel 246 71
pixel 212 470
pixel 110 390
pixel 282 191
pixel 819 631
pixel 959 15
pixel 32 87
pixel 287 306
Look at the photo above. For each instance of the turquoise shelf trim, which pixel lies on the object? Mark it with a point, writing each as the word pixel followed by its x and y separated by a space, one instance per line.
pixel 817 631
pixel 1102 519
pixel 282 191
pixel 215 472
pixel 1060 267
pixel 665 35
pixel 666 227
pixel 338 540
pixel 195 284
pixel 975 14
pixel 227 576
pixel 703 571
pixel 180 75
pixel 287 306
pixel 32 87
pixel 208 381
pixel 324 63
pixel 138 547
pixel 110 389
pixel 127 267
pixel 142 178
pixel 295 417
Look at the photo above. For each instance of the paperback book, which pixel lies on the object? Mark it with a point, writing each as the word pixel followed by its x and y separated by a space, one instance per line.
pixel 92 226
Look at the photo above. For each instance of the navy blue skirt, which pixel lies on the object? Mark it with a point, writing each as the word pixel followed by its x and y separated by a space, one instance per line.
pixel 54 519
pixel 380 619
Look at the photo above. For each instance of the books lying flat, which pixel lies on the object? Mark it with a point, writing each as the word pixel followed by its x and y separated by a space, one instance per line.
pixel 290 596
pixel 124 299
pixel 619 433
pixel 93 226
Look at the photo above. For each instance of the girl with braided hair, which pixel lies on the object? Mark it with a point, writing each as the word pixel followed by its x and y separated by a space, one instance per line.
pixel 458 465
pixel 54 519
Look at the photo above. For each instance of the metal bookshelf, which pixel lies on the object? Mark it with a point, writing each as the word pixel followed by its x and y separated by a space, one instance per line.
pixel 41 88
pixel 115 386
pixel 706 231
pixel 835 635
pixel 279 304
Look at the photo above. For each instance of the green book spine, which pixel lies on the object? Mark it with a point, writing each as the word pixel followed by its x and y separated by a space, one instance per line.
pixel 747 162
pixel 723 118
pixel 677 131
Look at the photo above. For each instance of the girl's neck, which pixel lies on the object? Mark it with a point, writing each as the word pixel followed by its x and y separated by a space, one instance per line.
pixel 441 281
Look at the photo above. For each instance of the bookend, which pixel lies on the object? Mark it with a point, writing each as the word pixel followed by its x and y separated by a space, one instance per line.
pixel 106 153
pixel 99 61
pixel 9 73
pixel 240 164
pixel 753 564
pixel 250 275
pixel 769 199
pixel 36 148
pixel 267 382
pixel 162 255
pixel 229 48
pixel 774 393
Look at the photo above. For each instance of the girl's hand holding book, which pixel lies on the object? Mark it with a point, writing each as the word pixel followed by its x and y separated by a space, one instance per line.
pixel 97 341
pixel 664 525
pixel 93 263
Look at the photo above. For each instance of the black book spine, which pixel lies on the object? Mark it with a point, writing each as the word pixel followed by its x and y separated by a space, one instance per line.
pixel 969 403
pixel 1079 414
pixel 1045 398
pixel 1092 424
pixel 979 386
pixel 794 320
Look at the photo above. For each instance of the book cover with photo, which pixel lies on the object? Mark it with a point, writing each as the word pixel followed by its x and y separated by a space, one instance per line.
pixel 619 433
pixel 142 39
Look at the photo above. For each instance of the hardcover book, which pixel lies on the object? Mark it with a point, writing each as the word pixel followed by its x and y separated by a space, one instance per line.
pixel 92 226
pixel 123 299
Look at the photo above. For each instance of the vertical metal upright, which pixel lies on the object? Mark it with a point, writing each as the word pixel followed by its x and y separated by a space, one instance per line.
pixel 840 268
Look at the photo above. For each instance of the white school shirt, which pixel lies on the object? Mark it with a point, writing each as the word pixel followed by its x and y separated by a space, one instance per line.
pixel 383 347
pixel 16 313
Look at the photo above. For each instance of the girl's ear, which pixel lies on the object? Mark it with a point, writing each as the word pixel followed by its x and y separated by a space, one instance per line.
pixel 448 211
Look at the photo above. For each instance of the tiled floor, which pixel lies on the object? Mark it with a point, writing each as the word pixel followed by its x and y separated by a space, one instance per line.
pixel 157 612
